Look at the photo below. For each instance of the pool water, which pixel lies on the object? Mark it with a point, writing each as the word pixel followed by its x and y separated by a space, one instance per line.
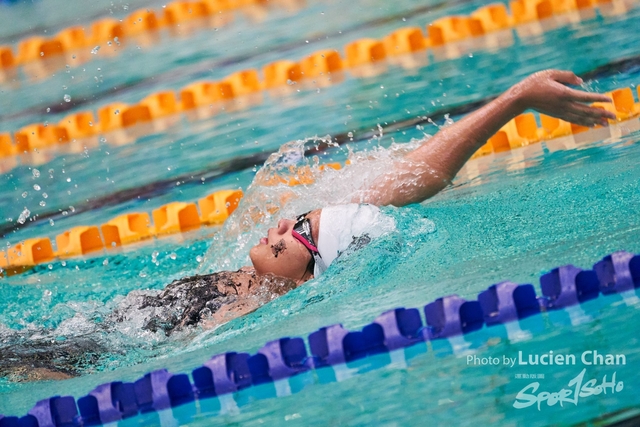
pixel 512 216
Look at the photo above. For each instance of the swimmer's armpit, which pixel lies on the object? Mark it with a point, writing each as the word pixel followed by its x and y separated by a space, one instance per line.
pixel 432 166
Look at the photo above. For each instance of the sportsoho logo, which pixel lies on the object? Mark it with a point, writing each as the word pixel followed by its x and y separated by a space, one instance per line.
pixel 578 389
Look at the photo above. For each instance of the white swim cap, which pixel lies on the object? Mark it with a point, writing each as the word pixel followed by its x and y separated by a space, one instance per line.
pixel 342 225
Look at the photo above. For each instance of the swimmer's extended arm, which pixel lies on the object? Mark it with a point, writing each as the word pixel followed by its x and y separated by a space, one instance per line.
pixel 432 166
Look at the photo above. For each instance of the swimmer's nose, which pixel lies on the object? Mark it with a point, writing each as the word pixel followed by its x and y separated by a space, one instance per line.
pixel 283 225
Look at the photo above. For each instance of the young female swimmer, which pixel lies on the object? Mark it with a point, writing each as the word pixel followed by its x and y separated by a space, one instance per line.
pixel 297 250
pixel 303 248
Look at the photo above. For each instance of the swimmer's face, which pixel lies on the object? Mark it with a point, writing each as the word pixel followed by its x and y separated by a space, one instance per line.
pixel 282 254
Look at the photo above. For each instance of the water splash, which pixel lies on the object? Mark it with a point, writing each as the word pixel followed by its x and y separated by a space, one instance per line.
pixel 270 197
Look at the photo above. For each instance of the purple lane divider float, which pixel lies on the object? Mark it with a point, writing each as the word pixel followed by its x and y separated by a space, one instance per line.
pixel 162 390
pixel 108 403
pixel 327 346
pixel 279 359
pixel 450 316
pixel 618 272
pixel 568 285
pixel 508 302
pixel 400 327
pixel 55 411
pixel 222 374
pixel 446 317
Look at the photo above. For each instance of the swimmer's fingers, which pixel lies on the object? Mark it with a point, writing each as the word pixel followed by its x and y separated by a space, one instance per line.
pixel 582 120
pixel 582 96
pixel 591 112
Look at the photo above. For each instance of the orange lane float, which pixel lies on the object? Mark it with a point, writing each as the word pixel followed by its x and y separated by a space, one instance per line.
pixel 109 116
pixel 73 38
pixel 39 136
pixel 553 127
pixel 204 93
pixel 499 142
pixel 623 105
pixel 140 21
pixel 35 48
pixel 522 130
pixel 105 30
pixel 494 17
pixel 453 28
pixel 79 125
pixel 30 252
pixel 161 104
pixel 216 207
pixel 175 217
pixel 405 40
pixel 7 59
pixel 182 11
pixel 564 6
pixel 281 73
pixel 364 51
pixel 6 145
pixel 321 63
pixel 134 115
pixel 524 11
pixel 78 241
pixel 243 82
pixel 127 228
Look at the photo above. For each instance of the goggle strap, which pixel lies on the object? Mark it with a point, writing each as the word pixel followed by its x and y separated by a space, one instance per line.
pixel 304 241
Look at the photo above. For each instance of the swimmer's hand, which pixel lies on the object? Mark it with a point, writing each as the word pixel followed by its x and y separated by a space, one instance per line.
pixel 546 92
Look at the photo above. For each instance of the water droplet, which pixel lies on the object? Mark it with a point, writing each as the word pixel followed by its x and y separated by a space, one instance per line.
pixel 23 216
pixel 471 55
pixel 116 112
pixel 43 203
pixel 45 195
pixel 199 258
pixel 173 256
pixel 24 195
pixel 51 223
pixel 36 187
pixel 67 98
pixel 105 262
pixel 41 53
pixel 350 134
pixel 95 50
pixel 142 274
pixel 63 263
pixel 36 173
pixel 68 179
pixel 48 109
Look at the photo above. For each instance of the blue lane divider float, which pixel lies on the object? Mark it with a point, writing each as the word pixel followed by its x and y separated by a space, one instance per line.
pixel 449 317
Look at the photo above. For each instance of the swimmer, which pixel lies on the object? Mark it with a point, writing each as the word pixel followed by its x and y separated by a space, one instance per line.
pixel 303 248
pixel 298 250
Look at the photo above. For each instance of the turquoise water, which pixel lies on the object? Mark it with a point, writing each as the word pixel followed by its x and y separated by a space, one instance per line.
pixel 512 216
